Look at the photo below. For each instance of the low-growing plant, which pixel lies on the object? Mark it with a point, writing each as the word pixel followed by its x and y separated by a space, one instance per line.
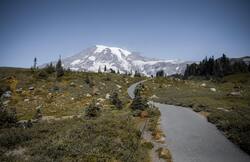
pixel 7 117
pixel 139 103
pixel 115 100
pixel 93 110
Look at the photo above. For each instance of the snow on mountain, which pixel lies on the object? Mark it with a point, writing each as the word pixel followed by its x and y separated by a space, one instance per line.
pixel 99 56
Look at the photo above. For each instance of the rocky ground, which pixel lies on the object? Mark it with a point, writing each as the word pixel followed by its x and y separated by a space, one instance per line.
pixel 46 118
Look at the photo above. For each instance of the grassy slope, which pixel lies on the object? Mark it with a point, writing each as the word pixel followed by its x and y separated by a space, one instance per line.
pixel 230 113
pixel 114 136
pixel 67 100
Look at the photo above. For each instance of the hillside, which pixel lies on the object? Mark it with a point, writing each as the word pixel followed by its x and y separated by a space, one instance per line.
pixel 71 118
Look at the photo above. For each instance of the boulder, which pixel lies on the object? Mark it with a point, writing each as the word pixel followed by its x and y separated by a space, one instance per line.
pixel 213 89
pixel 31 88
pixel 39 107
pixel 236 93
pixel 100 99
pixel 203 85
pixel 154 96
pixel 88 95
pixel 19 90
pixel 26 100
pixel 118 86
pixel 107 96
pixel 5 103
pixel 72 84
pixel 6 94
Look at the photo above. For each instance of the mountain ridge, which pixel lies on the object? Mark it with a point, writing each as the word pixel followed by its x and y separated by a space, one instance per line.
pixel 95 58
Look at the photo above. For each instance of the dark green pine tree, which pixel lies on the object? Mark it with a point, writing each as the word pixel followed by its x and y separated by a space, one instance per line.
pixel 50 68
pixel 139 103
pixel 114 98
pixel 35 63
pixel 59 68
pixel 160 73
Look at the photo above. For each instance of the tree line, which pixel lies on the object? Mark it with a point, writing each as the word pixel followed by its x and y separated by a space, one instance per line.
pixel 210 67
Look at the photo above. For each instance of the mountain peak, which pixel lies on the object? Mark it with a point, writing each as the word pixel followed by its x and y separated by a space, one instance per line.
pixel 115 50
pixel 100 56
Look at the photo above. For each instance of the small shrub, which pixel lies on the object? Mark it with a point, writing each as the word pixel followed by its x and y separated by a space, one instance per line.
pixel 7 117
pixel 139 103
pixel 114 98
pixel 38 114
pixel 42 74
pixel 87 80
pixel 59 68
pixel 93 110
pixel 148 145
pixel 13 136
pixel 50 68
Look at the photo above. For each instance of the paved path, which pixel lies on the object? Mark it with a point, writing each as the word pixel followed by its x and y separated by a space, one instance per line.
pixel 191 138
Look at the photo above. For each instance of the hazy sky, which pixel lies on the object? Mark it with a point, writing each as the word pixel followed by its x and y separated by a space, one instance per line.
pixel 168 29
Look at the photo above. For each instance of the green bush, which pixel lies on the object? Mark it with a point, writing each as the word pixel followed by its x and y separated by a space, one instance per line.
pixel 93 110
pixel 13 136
pixel 7 117
pixel 114 98
pixel 42 74
pixel 50 68
pixel 139 103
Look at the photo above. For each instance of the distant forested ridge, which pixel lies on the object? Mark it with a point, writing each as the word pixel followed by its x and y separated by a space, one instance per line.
pixel 210 67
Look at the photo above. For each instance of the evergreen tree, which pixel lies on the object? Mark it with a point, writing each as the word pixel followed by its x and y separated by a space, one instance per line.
pixel 240 66
pixel 105 68
pixel 225 63
pixel 59 68
pixel 137 74
pixel 35 63
pixel 218 68
pixel 50 68
pixel 160 73
pixel 139 103
pixel 112 71
pixel 87 80
pixel 114 98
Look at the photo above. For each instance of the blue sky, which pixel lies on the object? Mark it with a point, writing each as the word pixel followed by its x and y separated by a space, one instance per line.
pixel 167 29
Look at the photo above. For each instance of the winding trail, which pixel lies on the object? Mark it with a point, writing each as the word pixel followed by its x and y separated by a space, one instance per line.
pixel 191 138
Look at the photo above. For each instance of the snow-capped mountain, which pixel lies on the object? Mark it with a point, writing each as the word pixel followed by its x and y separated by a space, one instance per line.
pixel 99 56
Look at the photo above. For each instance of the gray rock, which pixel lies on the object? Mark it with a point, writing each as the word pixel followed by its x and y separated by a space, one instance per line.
pixel 213 89
pixel 72 84
pixel 88 95
pixel 107 96
pixel 31 88
pixel 19 90
pixel 6 102
pixel 26 100
pixel 203 85
pixel 6 94
pixel 234 93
